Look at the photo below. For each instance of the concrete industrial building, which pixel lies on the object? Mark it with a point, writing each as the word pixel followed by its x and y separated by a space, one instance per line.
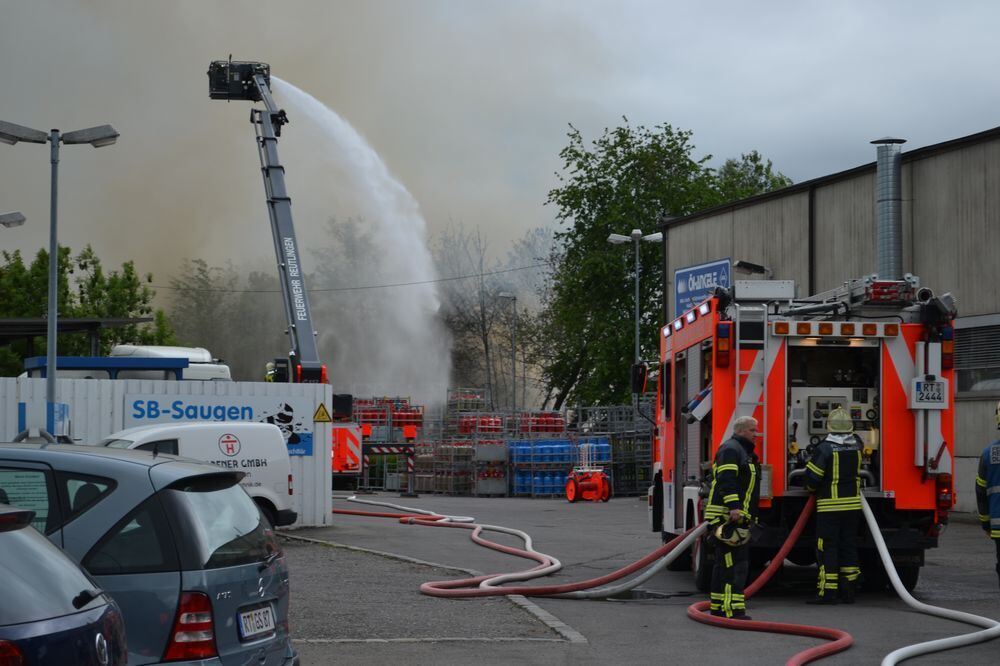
pixel 822 232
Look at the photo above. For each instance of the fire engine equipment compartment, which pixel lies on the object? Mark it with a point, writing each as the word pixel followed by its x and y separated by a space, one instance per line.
pixel 823 375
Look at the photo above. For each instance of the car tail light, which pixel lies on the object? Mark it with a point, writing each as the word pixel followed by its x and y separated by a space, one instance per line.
pixel 193 634
pixel 947 348
pixel 290 484
pixel 10 654
pixel 723 344
pixel 944 492
pixel 15 520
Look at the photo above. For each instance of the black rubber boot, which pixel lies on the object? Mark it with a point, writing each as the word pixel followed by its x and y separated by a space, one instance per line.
pixel 846 592
pixel 823 601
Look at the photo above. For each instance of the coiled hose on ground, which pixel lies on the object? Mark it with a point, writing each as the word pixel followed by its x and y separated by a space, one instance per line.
pixel 488 585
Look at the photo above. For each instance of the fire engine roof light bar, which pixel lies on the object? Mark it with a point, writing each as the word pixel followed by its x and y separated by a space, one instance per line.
pixel 704 308
pixel 690 316
pixel 678 324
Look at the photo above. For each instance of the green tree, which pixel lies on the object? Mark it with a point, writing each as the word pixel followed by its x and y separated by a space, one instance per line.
pixel 85 290
pixel 747 176
pixel 627 178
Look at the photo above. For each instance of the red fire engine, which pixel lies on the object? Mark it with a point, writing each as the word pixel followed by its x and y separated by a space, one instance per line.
pixel 881 349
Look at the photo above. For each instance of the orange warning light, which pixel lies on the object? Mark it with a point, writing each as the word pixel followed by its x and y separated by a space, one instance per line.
pixel 869 329
pixel 803 328
pixel 781 328
pixel 891 330
pixel 825 328
pixel 847 329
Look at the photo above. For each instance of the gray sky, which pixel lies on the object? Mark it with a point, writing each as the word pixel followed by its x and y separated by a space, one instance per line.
pixel 466 101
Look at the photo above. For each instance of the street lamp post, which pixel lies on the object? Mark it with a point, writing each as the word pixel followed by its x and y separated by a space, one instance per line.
pixel 636 237
pixel 103 135
pixel 513 351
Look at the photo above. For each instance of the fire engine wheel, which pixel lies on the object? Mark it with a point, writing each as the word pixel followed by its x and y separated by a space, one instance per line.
pixel 701 564
pixel 909 574
pixel 605 489
pixel 572 489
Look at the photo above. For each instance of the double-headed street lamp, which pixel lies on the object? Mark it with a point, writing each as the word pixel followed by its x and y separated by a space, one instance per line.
pixel 102 135
pixel 9 220
pixel 513 350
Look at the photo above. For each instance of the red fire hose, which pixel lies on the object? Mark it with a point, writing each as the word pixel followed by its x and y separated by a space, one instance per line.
pixel 470 587
pixel 841 640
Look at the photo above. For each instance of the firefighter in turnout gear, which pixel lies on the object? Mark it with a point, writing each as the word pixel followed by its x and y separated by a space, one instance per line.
pixel 834 474
pixel 988 491
pixel 731 510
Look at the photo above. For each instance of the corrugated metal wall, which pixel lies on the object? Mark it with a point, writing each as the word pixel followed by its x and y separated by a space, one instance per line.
pixel 97 409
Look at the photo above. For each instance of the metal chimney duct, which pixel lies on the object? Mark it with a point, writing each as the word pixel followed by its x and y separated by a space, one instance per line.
pixel 889 209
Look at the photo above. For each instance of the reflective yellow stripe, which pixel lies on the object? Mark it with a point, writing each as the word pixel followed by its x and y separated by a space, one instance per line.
pixel 749 491
pixel 819 546
pixel 984 518
pixel 857 479
pixel 731 498
pixel 980 481
pixel 727 467
pixel 836 475
pixel 814 469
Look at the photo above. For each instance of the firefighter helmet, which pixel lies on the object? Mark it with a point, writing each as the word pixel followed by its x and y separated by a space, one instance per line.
pixel 733 534
pixel 839 421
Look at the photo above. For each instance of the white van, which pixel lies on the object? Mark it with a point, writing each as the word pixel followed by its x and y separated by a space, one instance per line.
pixel 258 449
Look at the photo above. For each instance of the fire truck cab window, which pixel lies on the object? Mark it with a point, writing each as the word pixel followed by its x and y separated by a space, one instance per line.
pixel 833 367
pixel 666 373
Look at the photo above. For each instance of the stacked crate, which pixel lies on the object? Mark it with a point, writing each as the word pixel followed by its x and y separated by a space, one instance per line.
pixel 541 454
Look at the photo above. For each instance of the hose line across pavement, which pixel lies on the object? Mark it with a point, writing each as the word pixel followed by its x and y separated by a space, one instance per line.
pixel 599 588
pixel 488 585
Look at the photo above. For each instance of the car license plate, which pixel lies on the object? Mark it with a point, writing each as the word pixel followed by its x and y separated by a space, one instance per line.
pixel 930 392
pixel 256 622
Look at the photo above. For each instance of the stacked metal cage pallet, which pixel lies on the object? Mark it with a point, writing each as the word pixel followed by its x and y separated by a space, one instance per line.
pixel 541 454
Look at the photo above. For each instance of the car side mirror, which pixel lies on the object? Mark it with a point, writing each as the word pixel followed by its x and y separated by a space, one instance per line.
pixel 639 374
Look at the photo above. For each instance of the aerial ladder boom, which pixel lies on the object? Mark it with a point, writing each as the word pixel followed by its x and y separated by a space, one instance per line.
pixel 252 81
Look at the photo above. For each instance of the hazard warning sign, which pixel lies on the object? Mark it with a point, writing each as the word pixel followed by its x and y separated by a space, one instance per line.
pixel 321 415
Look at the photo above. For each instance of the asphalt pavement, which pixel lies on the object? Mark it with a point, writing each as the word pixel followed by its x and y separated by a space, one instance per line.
pixel 355 595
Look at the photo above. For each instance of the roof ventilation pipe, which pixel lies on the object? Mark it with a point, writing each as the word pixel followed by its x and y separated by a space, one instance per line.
pixel 889 209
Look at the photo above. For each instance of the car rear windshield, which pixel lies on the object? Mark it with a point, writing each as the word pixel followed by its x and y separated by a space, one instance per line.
pixel 37 581
pixel 218 524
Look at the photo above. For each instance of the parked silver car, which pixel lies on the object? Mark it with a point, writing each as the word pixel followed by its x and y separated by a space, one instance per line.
pixel 51 612
pixel 180 546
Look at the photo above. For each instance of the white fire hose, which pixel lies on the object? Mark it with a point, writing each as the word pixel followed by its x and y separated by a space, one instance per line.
pixel 992 627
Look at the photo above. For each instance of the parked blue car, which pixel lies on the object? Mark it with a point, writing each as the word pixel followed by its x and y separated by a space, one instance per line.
pixel 196 570
pixel 51 612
